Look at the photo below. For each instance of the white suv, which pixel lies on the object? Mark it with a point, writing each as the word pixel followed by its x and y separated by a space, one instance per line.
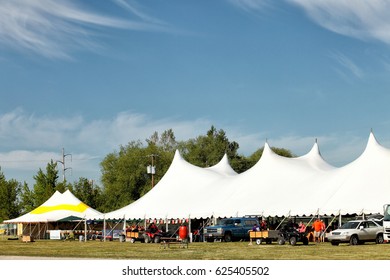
pixel 357 232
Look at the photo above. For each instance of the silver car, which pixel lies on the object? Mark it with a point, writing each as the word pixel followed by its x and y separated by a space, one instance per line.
pixel 357 232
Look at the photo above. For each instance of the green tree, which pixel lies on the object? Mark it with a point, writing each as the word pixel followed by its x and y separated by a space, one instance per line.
pixel 166 142
pixel 26 199
pixel 9 198
pixel 46 183
pixel 124 173
pixel 87 192
pixel 208 150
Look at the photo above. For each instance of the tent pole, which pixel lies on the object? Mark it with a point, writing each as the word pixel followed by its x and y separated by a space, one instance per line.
pixel 340 218
pixel 85 229
pixel 334 218
pixel 166 224
pixel 104 228
pixel 189 228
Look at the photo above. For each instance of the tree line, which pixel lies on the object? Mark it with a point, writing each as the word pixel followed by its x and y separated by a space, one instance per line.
pixel 123 173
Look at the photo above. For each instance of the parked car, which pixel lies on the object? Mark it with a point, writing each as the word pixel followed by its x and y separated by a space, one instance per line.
pixel 230 229
pixel 357 232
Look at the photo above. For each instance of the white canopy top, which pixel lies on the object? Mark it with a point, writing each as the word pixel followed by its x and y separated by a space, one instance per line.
pixel 274 186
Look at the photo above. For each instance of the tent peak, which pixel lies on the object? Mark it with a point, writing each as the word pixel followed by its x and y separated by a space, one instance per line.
pixel 372 142
pixel 177 156
pixel 223 166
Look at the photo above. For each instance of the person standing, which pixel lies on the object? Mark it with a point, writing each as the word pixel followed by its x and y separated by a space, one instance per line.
pixel 322 235
pixel 317 226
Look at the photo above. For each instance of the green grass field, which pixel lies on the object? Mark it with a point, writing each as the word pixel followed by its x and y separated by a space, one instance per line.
pixel 195 251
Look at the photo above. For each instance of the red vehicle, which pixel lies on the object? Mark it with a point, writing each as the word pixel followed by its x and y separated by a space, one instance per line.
pixel 153 234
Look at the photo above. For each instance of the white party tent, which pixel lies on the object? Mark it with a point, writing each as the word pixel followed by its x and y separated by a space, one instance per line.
pixel 274 186
pixel 57 207
pixel 180 191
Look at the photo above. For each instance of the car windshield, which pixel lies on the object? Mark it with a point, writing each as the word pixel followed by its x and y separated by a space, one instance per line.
pixel 387 213
pixel 350 225
pixel 226 222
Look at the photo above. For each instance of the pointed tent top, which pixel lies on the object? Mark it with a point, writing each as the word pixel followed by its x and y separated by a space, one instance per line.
pixel 223 166
pixel 372 142
pixel 267 150
pixel 177 155
pixel 315 150
pixel 266 156
pixel 178 158
pixel 315 158
pixel 372 139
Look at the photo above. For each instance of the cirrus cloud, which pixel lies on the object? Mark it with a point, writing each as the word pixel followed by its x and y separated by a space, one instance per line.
pixel 54 28
pixel 364 20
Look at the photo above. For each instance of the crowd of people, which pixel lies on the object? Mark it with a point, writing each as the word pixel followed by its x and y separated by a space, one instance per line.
pixel 315 232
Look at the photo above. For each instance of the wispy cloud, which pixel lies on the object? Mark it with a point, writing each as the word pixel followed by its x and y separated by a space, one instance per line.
pixel 251 5
pixel 364 20
pixel 346 66
pixel 54 28
pixel 30 141
pixel 20 130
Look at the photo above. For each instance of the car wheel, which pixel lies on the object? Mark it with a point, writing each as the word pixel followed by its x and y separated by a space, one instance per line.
pixel 147 238
pixel 259 241
pixel 132 240
pixel 379 239
pixel 334 243
pixel 354 240
pixel 281 241
pixel 156 239
pixel 293 240
pixel 228 237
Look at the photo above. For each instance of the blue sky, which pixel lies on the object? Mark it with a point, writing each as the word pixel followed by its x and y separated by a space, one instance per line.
pixel 89 76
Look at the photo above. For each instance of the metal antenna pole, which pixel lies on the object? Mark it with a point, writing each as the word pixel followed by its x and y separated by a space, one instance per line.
pixel 64 168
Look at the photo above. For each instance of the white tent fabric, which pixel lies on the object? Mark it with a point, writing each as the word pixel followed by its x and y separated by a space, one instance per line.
pixel 58 206
pixel 179 192
pixel 274 186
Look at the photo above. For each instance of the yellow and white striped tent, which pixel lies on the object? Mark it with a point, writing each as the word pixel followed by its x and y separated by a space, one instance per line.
pixel 58 207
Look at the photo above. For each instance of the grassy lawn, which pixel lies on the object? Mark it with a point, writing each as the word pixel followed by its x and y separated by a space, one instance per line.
pixel 195 251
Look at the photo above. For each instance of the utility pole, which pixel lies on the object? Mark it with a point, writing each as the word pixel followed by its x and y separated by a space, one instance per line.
pixel 151 169
pixel 64 168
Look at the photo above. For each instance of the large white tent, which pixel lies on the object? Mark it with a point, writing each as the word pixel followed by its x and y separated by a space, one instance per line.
pixel 58 207
pixel 274 186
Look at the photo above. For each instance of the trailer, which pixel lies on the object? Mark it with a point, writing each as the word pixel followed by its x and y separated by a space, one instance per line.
pixel 262 236
pixel 132 236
